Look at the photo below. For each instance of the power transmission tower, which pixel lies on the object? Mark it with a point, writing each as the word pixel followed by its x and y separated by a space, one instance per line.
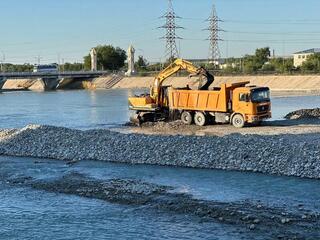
pixel 214 52
pixel 171 36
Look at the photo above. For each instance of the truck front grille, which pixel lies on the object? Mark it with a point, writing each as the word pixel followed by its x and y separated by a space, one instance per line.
pixel 264 108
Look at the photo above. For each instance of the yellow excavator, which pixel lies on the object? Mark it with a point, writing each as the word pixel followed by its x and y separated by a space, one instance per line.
pixel 154 106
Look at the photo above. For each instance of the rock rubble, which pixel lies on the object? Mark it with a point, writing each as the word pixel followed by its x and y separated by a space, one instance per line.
pixel 304 114
pixel 290 155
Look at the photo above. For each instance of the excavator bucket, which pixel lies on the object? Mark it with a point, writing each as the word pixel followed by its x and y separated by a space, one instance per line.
pixel 136 119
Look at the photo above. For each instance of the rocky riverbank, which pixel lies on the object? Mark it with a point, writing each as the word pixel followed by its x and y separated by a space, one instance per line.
pixel 304 114
pixel 290 155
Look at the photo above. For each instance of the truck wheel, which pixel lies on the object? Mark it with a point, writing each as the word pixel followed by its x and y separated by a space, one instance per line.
pixel 186 118
pixel 238 121
pixel 200 119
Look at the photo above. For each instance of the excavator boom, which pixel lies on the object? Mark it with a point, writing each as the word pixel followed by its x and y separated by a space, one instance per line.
pixel 176 66
pixel 150 107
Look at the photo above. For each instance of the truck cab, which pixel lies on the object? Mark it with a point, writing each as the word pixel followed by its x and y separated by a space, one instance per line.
pixel 252 102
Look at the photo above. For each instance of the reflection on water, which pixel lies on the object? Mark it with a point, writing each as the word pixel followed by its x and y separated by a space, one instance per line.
pixel 96 109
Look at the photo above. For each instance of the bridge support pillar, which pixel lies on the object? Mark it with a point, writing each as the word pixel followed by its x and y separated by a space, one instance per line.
pixel 50 83
pixel 2 82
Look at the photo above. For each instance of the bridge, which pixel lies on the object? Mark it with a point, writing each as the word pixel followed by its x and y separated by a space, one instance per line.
pixel 59 80
pixel 30 75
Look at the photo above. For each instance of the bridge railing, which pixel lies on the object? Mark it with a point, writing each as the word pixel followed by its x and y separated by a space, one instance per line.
pixel 53 74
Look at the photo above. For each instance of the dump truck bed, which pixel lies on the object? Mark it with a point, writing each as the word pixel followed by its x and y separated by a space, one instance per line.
pixel 197 100
pixel 215 101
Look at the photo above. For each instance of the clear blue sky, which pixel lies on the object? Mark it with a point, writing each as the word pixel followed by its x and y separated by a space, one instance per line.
pixel 69 28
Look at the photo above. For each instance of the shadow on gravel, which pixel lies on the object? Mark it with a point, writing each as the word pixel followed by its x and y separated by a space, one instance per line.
pixel 272 223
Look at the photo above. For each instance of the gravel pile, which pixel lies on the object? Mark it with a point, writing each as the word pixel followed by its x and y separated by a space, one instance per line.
pixel 291 155
pixel 304 114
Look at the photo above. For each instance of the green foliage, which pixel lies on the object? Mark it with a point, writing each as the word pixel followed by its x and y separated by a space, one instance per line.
pixel 312 64
pixel 268 67
pixel 155 67
pixel 108 58
pixel 262 55
pixel 87 63
pixel 71 67
pixel 8 67
pixel 256 62
pixel 141 64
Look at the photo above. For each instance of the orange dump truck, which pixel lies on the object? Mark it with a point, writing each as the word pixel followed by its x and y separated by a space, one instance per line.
pixel 233 103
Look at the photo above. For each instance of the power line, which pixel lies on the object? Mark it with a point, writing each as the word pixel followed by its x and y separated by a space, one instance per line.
pixel 255 22
pixel 276 33
pixel 271 22
pixel 171 36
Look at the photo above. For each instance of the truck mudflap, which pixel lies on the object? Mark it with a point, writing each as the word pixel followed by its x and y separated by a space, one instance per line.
pixel 258 118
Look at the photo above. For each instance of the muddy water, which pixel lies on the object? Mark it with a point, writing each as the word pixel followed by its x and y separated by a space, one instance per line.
pixel 96 109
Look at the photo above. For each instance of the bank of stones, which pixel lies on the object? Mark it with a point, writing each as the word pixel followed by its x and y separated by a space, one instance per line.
pixel 304 114
pixel 291 155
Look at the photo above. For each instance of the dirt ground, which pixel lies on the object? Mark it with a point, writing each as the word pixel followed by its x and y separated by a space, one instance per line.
pixel 267 128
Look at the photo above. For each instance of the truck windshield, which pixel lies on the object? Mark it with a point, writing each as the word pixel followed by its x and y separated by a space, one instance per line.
pixel 261 95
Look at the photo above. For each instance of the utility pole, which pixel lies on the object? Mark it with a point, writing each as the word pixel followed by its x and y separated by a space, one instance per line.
pixel 214 52
pixel 171 36
pixel 62 64
pixel 38 59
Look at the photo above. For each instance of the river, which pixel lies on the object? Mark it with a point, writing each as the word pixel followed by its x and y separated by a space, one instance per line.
pixel 31 214
pixel 96 109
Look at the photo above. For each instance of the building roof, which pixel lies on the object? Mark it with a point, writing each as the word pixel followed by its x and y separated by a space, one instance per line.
pixel 312 50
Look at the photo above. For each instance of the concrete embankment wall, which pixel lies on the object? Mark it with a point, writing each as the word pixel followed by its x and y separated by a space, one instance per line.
pixel 104 82
pixel 22 84
pixel 307 83
pixel 30 84
pixel 276 83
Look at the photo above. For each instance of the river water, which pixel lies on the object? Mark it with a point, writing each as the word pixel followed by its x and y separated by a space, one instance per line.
pixel 96 109
pixel 29 214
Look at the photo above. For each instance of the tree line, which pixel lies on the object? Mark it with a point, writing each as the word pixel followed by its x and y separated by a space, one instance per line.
pixel 262 62
pixel 114 58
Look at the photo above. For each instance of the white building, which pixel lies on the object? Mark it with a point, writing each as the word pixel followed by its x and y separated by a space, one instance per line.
pixel 302 56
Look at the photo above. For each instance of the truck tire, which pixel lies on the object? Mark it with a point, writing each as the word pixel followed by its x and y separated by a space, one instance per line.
pixel 186 118
pixel 238 121
pixel 200 119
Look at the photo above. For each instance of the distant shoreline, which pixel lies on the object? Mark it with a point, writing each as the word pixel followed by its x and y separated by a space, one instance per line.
pixel 280 86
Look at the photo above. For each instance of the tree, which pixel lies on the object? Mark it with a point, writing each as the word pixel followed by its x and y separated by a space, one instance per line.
pixel 141 63
pixel 87 63
pixel 312 64
pixel 8 67
pixel 71 67
pixel 254 63
pixel 262 56
pixel 108 58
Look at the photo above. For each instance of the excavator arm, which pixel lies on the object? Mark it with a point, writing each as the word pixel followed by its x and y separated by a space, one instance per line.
pixel 146 105
pixel 175 67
